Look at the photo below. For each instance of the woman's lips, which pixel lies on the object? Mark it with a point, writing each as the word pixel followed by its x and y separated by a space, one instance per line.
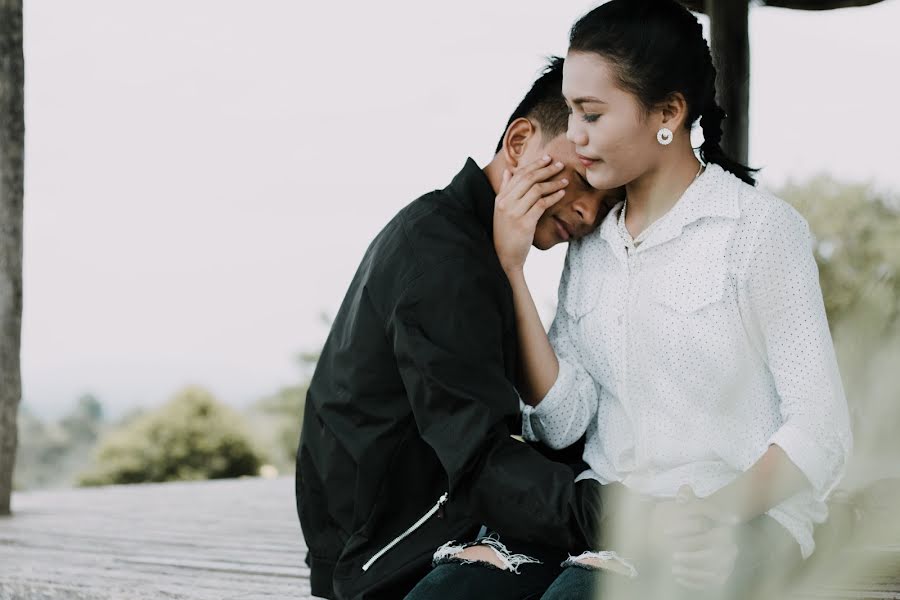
pixel 587 162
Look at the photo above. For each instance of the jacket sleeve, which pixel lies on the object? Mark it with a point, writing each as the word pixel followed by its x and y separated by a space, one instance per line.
pixel 447 335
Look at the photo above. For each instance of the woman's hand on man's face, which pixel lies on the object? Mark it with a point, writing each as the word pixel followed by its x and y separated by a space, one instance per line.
pixel 522 199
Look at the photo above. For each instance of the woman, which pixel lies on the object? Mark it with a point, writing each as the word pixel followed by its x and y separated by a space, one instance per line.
pixel 690 344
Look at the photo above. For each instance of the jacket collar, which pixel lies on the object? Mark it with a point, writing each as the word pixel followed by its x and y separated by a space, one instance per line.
pixel 472 189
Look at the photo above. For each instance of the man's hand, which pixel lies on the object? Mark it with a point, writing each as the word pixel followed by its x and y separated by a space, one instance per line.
pixel 700 538
pixel 522 200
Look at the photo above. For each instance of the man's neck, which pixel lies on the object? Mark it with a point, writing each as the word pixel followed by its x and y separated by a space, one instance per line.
pixel 494 172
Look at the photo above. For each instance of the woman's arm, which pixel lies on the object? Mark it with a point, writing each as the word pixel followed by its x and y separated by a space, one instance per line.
pixel 563 392
pixel 783 306
pixel 783 311
pixel 769 482
pixel 520 203
pixel 538 362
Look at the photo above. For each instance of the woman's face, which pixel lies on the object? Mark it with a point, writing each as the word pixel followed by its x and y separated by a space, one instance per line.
pixel 614 137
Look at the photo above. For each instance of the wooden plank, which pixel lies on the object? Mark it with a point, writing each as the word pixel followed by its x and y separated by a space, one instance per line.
pixel 240 540
pixel 223 540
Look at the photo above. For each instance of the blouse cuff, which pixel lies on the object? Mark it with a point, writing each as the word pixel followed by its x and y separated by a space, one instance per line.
pixel 562 387
pixel 807 455
pixel 533 417
pixel 527 430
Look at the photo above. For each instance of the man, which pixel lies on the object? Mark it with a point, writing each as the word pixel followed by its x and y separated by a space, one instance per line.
pixel 406 440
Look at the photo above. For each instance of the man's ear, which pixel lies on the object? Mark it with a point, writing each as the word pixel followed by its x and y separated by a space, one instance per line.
pixel 519 135
pixel 674 110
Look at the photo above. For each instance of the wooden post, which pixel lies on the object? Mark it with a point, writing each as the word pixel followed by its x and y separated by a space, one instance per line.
pixel 731 55
pixel 12 147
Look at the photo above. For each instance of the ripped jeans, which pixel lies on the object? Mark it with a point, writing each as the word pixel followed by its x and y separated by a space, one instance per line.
pixel 767 556
pixel 528 573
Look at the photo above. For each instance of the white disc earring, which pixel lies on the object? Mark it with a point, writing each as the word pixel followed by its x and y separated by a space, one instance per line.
pixel 664 136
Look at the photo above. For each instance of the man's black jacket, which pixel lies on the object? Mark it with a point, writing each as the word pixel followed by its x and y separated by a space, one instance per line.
pixel 406 434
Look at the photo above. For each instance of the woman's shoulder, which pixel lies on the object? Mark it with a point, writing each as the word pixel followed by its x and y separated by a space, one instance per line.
pixel 759 208
pixel 765 223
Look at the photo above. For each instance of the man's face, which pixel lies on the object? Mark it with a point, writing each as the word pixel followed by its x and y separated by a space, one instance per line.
pixel 581 210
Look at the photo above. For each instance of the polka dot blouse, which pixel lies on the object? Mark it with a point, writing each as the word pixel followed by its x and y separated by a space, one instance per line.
pixel 684 357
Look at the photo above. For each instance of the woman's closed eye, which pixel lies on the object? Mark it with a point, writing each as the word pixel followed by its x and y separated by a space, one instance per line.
pixel 586 117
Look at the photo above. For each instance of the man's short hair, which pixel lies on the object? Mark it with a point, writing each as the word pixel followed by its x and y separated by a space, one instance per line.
pixel 544 103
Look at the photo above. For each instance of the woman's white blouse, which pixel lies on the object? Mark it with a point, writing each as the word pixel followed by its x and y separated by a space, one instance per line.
pixel 685 357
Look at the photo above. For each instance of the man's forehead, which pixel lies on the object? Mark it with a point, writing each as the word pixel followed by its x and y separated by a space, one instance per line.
pixel 562 149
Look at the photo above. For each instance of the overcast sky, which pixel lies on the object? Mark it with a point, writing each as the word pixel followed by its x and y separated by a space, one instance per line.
pixel 202 177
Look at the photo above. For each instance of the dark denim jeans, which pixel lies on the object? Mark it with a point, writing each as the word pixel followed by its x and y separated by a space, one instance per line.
pixel 451 579
pixel 767 556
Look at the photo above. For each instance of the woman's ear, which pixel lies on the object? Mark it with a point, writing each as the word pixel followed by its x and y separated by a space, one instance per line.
pixel 674 110
pixel 519 135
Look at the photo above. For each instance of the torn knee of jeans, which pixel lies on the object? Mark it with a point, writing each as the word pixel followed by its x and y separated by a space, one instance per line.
pixel 449 553
pixel 601 561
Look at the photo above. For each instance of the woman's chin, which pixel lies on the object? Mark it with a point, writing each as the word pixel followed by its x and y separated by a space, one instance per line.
pixel 601 177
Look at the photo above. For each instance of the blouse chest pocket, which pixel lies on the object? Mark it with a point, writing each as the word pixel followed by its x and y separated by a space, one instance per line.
pixel 583 321
pixel 696 277
pixel 690 288
pixel 581 286
pixel 582 297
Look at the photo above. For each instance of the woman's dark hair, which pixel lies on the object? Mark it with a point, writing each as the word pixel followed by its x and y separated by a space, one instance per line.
pixel 657 49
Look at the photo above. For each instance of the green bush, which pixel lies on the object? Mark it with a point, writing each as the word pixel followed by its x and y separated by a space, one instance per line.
pixel 192 437
pixel 857 245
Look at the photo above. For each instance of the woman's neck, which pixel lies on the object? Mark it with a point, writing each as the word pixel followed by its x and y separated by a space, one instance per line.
pixel 654 193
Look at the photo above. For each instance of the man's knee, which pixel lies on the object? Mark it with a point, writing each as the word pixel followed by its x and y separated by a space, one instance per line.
pixel 487 551
pixel 602 561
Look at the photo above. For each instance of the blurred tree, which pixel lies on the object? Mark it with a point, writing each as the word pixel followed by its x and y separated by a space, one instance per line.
pixel 42 449
pixel 12 151
pixel 192 437
pixel 308 361
pixel 857 247
pixel 84 423
pixel 50 454
pixel 278 418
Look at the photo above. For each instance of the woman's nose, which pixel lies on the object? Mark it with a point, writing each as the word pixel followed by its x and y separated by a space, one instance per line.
pixel 575 133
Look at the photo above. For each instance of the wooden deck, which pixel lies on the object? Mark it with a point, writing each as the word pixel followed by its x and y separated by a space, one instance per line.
pixel 240 540
pixel 218 540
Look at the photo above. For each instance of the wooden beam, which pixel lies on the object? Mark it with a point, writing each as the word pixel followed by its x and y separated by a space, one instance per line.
pixel 731 55
pixel 12 150
pixel 700 5
pixel 819 4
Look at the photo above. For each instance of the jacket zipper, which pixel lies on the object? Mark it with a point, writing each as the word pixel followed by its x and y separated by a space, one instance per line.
pixel 440 503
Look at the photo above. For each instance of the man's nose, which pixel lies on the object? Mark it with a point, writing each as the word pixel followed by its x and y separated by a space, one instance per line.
pixel 587 208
